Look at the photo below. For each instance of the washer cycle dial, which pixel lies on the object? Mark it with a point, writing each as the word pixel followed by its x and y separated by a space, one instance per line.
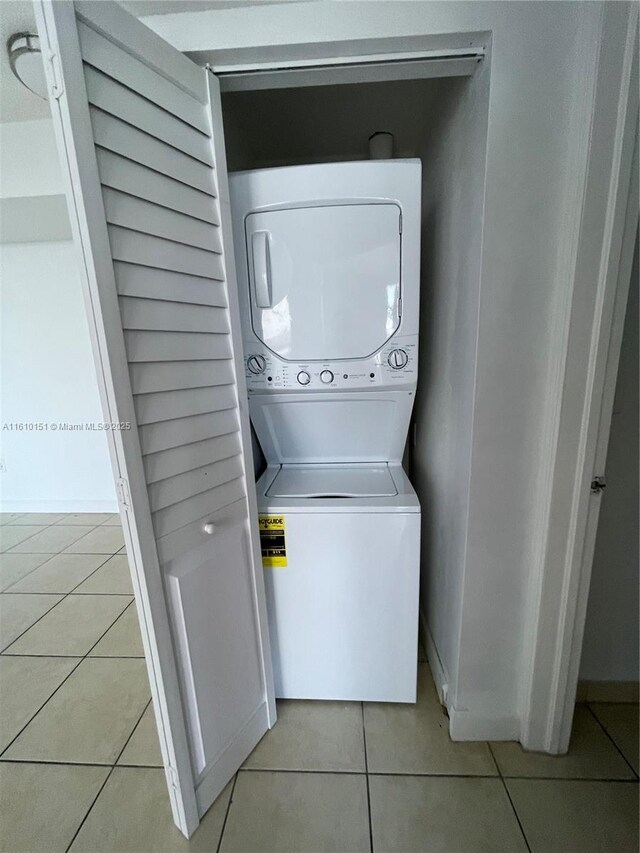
pixel 398 359
pixel 256 363
pixel 327 377
pixel 303 377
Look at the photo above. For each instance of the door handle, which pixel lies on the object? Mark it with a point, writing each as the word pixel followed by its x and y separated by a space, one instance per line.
pixel 261 268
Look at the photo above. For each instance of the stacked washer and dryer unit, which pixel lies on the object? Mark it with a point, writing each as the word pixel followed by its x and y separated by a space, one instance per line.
pixel 328 261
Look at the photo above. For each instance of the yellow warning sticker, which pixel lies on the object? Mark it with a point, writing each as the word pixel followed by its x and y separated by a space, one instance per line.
pixel 272 541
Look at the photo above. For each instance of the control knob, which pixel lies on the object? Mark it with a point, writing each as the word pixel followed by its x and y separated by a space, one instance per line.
pixel 256 363
pixel 398 359
pixel 303 377
pixel 327 377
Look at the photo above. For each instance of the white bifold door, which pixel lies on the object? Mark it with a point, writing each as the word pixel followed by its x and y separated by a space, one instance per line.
pixel 139 132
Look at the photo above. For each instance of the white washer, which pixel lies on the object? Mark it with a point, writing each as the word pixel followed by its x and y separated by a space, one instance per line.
pixel 343 613
pixel 328 269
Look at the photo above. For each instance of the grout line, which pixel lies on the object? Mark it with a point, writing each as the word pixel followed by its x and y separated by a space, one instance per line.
pixel 64 595
pixel 22 633
pixel 10 591
pixel 13 740
pixel 119 616
pixel 366 770
pixel 310 772
pixel 326 772
pixel 64 657
pixel 47 527
pixel 94 801
pixel 516 815
pixel 109 774
pixel 26 539
pixel 506 790
pixel 82 658
pixel 73 591
pixel 226 815
pixel 126 743
pixel 605 730
pixel 494 759
pixel 66 551
pixel 468 776
pixel 80 763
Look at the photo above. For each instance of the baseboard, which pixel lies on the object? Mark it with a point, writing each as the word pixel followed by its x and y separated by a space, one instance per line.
pixel 59 506
pixel 440 678
pixel 465 725
pixel 608 691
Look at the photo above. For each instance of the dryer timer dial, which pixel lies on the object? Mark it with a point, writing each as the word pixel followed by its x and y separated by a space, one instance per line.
pixel 398 359
pixel 256 363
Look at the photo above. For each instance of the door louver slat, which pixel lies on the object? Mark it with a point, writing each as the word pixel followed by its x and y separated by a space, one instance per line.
pixel 124 174
pixel 135 75
pixel 175 346
pixel 147 377
pixel 147 282
pixel 181 431
pixel 172 317
pixel 169 405
pixel 148 218
pixel 121 138
pixel 115 99
pixel 179 460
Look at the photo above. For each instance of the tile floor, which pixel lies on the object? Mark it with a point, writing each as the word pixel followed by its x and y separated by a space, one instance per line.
pixel 80 766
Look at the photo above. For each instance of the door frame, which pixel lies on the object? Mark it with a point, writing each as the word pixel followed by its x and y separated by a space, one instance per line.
pixel 554 624
pixel 580 393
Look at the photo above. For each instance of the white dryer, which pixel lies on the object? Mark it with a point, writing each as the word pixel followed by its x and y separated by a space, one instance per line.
pixel 328 271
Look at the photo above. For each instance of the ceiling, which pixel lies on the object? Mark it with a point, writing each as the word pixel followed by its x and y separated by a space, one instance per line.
pixel 18 103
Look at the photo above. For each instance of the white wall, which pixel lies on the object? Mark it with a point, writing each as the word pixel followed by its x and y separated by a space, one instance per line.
pixel 453 202
pixel 29 159
pixel 539 52
pixel 46 365
pixel 48 376
pixel 611 639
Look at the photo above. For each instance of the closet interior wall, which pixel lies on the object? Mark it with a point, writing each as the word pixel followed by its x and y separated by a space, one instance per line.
pixel 443 121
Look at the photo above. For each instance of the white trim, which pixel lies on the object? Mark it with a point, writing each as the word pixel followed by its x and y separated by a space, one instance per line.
pixel 308 54
pixel 584 108
pixel 438 672
pixel 557 600
pixel 464 725
pixel 333 74
pixel 598 429
pixel 345 61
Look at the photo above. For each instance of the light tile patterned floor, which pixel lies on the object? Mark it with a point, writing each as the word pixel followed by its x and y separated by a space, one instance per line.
pixel 80 765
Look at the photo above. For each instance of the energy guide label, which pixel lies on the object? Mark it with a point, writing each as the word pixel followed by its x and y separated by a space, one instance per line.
pixel 272 541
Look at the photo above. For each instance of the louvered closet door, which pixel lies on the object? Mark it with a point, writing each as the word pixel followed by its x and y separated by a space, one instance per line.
pixel 140 136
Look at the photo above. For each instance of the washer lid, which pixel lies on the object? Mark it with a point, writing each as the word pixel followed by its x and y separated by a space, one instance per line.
pixel 324 281
pixel 331 481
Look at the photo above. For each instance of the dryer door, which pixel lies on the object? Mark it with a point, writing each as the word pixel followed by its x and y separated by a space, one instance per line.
pixel 325 280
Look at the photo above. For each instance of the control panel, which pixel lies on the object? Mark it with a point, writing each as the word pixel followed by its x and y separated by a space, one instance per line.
pixel 395 364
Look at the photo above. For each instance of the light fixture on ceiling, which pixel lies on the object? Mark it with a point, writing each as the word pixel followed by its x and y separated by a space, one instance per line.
pixel 25 59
